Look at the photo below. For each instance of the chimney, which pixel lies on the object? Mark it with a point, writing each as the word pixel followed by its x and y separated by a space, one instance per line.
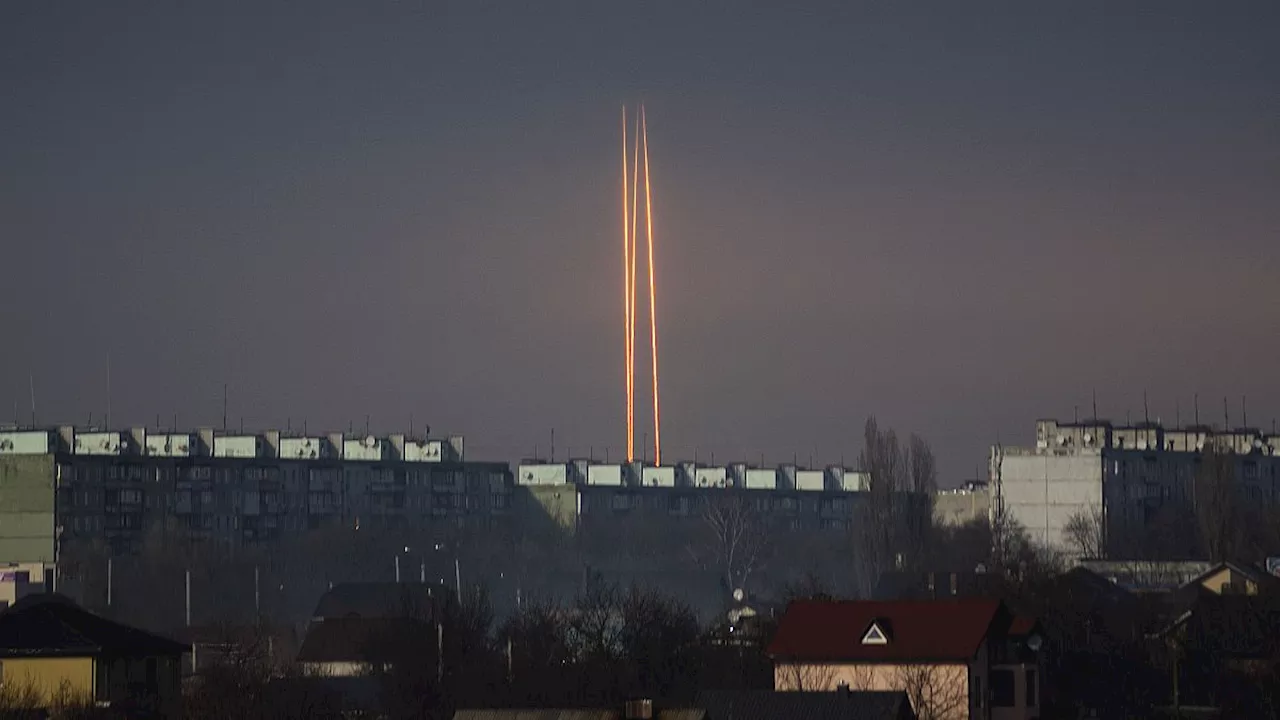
pixel 843 689
pixel 638 710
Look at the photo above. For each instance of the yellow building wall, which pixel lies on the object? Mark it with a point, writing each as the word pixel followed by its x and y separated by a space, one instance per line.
pixel 943 688
pixel 1218 581
pixel 51 676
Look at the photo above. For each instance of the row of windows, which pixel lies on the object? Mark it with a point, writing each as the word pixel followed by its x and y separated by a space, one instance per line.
pixel 689 504
pixel 97 473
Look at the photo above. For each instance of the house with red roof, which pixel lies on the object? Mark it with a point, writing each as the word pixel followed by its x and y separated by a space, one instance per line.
pixel 954 657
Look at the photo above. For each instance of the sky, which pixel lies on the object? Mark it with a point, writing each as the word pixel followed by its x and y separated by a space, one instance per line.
pixel 957 217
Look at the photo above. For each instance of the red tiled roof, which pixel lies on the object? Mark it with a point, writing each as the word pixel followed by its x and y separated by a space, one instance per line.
pixel 922 630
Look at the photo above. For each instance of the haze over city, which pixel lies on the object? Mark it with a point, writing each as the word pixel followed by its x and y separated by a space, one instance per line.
pixel 956 217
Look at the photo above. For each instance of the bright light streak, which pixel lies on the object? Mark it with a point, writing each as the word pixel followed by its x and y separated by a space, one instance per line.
pixel 635 250
pixel 653 310
pixel 628 293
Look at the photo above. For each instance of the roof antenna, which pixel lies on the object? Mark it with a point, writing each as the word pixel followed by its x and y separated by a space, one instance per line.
pixel 1095 405
pixel 1177 413
pixel 32 380
pixel 1146 415
pixel 1197 403
pixel 1244 411
pixel 410 425
pixel 224 407
pixel 1226 415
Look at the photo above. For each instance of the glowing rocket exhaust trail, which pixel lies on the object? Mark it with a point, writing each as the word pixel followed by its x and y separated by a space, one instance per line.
pixel 628 294
pixel 631 271
pixel 653 311
pixel 630 253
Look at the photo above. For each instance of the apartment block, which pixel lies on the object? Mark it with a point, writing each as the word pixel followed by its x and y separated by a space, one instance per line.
pixel 796 497
pixel 1124 475
pixel 232 489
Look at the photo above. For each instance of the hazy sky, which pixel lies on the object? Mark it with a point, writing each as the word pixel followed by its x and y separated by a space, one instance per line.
pixel 959 217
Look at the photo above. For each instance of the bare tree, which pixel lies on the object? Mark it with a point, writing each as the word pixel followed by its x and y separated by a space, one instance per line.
pixel 1084 533
pixel 595 622
pixel 937 692
pixel 1215 504
pixel 922 483
pixel 882 459
pixel 736 538
pixel 802 677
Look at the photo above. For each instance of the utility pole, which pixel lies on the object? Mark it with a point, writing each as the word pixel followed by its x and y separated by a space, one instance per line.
pixel 457 577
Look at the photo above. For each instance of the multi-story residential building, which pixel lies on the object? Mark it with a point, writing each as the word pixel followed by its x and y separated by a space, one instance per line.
pixel 965 504
pixel 799 498
pixel 232 489
pixel 1123 477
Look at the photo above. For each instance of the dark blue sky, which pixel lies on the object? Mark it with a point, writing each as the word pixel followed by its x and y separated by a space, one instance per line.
pixel 958 216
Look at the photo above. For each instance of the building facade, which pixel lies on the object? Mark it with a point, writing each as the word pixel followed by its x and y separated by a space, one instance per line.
pixel 231 489
pixel 1123 477
pixel 794 497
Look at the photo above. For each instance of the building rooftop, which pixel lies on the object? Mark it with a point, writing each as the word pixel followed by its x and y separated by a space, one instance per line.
pixel 376 600
pixel 359 639
pixel 951 629
pixel 52 625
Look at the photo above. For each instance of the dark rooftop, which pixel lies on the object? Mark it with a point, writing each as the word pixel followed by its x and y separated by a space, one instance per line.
pixel 53 625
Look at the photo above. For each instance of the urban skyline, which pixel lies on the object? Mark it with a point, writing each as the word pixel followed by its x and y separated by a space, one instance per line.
pixel 865 219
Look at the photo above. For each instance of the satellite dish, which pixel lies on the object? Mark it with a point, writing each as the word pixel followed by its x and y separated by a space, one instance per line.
pixel 1034 642
pixel 739 595
pixel 369 441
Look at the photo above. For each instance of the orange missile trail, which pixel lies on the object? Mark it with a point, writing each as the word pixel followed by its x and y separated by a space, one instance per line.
pixel 627 292
pixel 631 282
pixel 653 310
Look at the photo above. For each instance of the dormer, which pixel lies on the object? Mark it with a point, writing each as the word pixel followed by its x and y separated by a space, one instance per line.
pixel 879 632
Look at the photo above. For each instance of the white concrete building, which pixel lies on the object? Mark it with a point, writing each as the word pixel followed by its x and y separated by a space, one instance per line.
pixel 1124 476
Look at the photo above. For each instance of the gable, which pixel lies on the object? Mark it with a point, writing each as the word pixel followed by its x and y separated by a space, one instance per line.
pixel 1228 579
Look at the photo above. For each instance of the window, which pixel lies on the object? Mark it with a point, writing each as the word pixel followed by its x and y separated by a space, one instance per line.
pixel 1002 690
pixel 875 636
pixel 1031 687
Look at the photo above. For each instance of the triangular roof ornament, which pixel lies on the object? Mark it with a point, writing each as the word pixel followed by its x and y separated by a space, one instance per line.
pixel 875 635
